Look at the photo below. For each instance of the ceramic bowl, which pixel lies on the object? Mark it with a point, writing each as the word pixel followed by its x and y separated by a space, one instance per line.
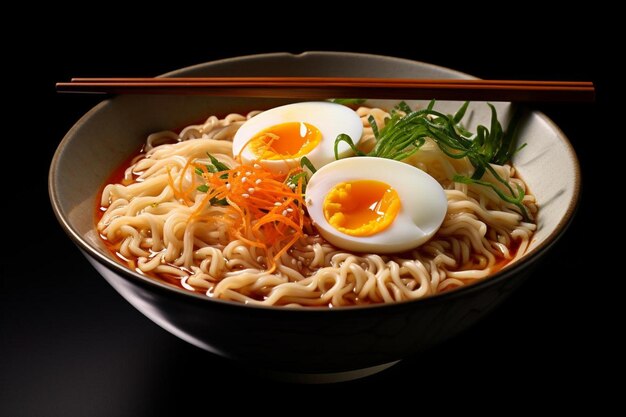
pixel 340 343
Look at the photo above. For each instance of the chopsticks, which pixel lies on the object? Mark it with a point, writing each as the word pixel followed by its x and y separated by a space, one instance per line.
pixel 336 87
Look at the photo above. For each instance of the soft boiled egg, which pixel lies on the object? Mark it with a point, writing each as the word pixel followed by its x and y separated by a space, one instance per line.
pixel 278 138
pixel 368 204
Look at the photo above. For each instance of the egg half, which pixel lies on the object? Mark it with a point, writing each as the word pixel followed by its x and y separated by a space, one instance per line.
pixel 278 138
pixel 378 205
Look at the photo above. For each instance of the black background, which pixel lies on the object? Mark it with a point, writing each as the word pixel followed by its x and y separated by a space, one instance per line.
pixel 70 345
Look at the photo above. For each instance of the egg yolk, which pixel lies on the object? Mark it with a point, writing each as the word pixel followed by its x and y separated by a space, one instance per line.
pixel 362 207
pixel 285 141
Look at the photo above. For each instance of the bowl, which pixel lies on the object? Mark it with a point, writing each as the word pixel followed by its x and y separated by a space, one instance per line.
pixel 308 344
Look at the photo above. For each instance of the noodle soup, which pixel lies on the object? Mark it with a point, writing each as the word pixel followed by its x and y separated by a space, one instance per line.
pixel 312 339
pixel 192 211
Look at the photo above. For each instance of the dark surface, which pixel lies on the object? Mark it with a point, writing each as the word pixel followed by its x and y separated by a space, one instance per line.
pixel 70 345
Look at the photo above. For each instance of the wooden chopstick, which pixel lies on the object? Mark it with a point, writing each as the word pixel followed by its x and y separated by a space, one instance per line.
pixel 332 80
pixel 335 87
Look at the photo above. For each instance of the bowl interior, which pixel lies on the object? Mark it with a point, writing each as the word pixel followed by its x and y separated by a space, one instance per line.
pixel 116 128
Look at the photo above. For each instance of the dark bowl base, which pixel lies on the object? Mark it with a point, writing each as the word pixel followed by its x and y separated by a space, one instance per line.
pixel 324 378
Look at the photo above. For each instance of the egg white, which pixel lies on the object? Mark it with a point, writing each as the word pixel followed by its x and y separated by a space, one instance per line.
pixel 424 203
pixel 330 119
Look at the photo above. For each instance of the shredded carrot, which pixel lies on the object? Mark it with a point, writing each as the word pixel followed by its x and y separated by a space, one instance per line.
pixel 180 192
pixel 269 214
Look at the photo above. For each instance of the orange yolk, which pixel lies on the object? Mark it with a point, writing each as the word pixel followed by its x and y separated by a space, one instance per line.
pixel 285 141
pixel 362 207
